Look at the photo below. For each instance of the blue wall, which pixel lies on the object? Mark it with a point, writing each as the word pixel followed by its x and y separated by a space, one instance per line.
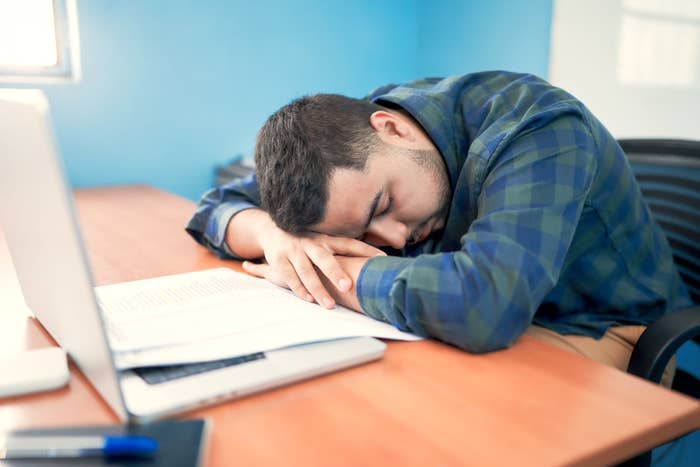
pixel 458 36
pixel 172 88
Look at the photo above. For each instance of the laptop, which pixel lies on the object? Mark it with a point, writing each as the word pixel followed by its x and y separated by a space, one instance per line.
pixel 37 217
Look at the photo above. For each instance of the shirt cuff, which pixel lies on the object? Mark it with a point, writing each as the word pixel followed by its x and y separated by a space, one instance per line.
pixel 374 287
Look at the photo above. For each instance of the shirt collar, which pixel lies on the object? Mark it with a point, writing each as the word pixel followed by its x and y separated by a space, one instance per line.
pixel 433 111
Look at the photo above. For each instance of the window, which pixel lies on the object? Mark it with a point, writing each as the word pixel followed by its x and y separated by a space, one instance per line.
pixel 38 41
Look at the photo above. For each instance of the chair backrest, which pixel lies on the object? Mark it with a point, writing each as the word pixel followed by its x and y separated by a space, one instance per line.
pixel 668 172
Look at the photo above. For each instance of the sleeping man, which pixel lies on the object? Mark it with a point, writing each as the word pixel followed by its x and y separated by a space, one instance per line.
pixel 470 209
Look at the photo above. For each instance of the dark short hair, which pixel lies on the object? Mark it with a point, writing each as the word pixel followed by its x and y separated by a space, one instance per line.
pixel 301 145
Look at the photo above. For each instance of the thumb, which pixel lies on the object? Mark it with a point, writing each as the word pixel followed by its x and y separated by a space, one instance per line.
pixel 257 270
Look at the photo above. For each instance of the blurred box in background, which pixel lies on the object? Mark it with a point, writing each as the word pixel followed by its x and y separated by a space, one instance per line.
pixel 237 168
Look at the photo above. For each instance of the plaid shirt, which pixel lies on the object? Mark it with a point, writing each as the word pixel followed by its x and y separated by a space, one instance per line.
pixel 547 224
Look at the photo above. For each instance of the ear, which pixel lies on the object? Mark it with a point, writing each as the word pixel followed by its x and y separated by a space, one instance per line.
pixel 391 127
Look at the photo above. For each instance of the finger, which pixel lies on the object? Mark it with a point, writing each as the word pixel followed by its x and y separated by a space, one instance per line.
pixel 328 264
pixel 309 277
pixel 257 270
pixel 352 247
pixel 281 276
pixel 291 279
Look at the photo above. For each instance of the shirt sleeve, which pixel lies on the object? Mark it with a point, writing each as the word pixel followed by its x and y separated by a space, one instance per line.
pixel 483 296
pixel 215 210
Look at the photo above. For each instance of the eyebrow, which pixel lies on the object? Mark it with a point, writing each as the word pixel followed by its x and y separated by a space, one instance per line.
pixel 373 209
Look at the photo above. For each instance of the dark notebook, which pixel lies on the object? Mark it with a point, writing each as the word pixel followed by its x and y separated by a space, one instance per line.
pixel 181 443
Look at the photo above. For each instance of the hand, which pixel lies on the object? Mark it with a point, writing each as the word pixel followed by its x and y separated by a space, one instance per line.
pixel 292 262
pixel 352 265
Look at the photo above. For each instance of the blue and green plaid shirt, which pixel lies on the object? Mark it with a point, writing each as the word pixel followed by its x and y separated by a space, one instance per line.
pixel 547 224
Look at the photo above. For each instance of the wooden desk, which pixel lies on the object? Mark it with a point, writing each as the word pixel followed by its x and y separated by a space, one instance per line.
pixel 424 404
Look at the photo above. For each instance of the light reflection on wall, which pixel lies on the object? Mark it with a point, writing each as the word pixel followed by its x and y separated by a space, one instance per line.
pixel 659 43
pixel 634 63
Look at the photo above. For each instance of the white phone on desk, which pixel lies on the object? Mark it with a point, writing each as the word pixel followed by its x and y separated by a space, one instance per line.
pixel 33 371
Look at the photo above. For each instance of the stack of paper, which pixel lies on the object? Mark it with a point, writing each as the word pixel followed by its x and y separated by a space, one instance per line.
pixel 218 313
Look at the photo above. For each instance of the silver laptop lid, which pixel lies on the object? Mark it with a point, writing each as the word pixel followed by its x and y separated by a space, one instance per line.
pixel 37 217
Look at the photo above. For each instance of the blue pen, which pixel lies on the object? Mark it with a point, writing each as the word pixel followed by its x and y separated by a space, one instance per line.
pixel 37 447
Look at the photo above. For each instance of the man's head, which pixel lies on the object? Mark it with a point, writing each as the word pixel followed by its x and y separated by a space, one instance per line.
pixel 341 166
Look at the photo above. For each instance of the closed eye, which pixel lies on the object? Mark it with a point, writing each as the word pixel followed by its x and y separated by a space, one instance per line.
pixel 388 207
pixel 383 212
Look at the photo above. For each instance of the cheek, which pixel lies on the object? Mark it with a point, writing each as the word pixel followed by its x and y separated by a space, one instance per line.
pixel 374 239
pixel 414 207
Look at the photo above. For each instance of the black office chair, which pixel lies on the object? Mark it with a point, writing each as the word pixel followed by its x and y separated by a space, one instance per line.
pixel 668 172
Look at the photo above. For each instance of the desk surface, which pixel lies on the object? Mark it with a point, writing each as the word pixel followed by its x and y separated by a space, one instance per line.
pixel 425 403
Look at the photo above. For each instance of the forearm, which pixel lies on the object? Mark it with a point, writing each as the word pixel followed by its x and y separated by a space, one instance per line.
pixel 245 230
pixel 461 298
pixel 208 225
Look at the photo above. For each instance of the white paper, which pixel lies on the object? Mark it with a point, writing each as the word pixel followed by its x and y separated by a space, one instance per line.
pixel 218 313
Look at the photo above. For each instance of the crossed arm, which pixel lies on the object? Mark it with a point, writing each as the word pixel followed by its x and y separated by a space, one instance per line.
pixel 481 294
pixel 316 267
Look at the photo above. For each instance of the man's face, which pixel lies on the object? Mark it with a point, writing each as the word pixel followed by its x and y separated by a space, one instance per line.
pixel 401 197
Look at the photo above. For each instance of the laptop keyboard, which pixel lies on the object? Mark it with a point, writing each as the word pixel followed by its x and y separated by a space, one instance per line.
pixel 161 374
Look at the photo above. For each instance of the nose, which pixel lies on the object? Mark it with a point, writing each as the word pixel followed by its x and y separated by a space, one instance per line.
pixel 386 231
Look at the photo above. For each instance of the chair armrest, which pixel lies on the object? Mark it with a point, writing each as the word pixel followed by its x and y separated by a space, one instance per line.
pixel 660 341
